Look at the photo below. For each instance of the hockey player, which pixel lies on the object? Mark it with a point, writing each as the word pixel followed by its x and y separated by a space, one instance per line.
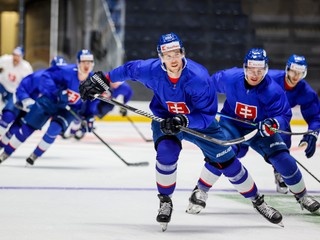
pixel 13 68
pixel 252 95
pixel 24 97
pixel 298 92
pixel 59 88
pixel 183 96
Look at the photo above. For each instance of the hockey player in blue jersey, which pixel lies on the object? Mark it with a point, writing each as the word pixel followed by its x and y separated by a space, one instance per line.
pixel 253 96
pixel 59 88
pixel 87 110
pixel 183 96
pixel 24 98
pixel 299 93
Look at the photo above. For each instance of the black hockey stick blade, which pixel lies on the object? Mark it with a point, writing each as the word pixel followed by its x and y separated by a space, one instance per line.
pixel 184 129
pixel 106 144
pixel 136 164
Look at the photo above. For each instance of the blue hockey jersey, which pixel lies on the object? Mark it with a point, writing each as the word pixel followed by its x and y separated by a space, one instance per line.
pixel 266 100
pixel 29 86
pixel 304 96
pixel 193 95
pixel 55 79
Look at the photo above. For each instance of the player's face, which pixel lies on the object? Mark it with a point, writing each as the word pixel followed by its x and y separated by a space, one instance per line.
pixel 293 77
pixel 173 60
pixel 16 59
pixel 85 67
pixel 254 75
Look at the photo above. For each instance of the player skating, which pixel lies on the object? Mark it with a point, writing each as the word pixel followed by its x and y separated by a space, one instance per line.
pixel 183 96
pixel 299 93
pixel 59 88
pixel 252 95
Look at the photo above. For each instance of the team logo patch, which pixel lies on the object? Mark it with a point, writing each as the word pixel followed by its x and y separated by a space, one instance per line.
pixel 73 96
pixel 246 111
pixel 178 107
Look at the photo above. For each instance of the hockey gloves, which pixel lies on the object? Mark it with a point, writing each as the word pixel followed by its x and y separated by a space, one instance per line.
pixel 170 126
pixel 310 140
pixel 266 125
pixel 94 85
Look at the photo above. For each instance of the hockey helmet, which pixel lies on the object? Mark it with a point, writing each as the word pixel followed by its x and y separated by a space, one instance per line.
pixel 168 42
pixel 297 63
pixel 256 57
pixel 58 61
pixel 85 55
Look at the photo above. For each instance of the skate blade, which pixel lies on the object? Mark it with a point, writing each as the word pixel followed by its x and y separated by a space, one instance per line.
pixel 280 224
pixel 164 226
pixel 194 209
pixel 28 165
pixel 317 212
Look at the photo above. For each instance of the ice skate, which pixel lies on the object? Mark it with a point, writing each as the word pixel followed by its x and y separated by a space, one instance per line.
pixel 3 157
pixel 268 212
pixel 197 201
pixel 31 159
pixel 281 186
pixel 309 203
pixel 165 211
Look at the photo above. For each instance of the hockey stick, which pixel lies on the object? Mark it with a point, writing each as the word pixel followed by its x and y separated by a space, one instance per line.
pixel 138 131
pixel 308 171
pixel 273 129
pixel 127 163
pixel 105 143
pixel 184 129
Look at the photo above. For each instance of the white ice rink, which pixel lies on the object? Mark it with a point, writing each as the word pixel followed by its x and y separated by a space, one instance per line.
pixel 81 190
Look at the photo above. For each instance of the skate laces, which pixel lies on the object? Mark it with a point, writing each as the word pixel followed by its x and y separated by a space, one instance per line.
pixel 306 201
pixel 165 208
pixel 266 210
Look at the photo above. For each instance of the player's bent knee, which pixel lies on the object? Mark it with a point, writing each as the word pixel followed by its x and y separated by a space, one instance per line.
pixel 168 150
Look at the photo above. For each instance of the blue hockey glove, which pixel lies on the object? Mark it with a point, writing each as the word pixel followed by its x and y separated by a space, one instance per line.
pixel 170 126
pixel 62 99
pixel 96 84
pixel 87 124
pixel 265 125
pixel 123 112
pixel 309 140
